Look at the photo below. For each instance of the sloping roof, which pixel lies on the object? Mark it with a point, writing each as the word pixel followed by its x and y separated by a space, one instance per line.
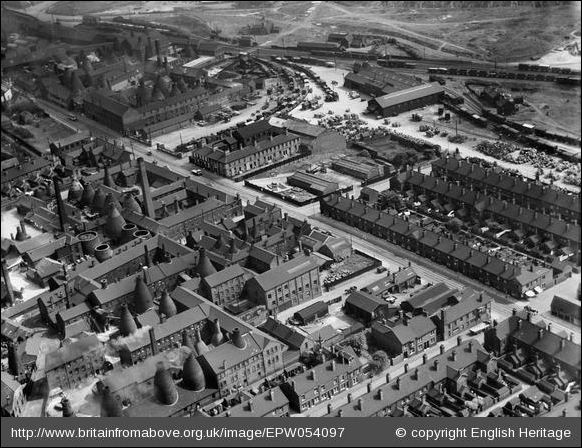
pixel 107 103
pixel 304 384
pixel 413 93
pixel 565 306
pixel 286 334
pixel 548 343
pixel 263 405
pixel 70 352
pixel 433 297
pixel 253 129
pixel 364 301
pixel 469 301
pixel 304 128
pixel 409 383
pixel 225 275
pixel 9 387
pixel 318 308
pixel 415 327
pixel 285 272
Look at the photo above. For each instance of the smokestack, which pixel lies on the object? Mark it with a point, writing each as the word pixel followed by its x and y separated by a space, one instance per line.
pixel 158 52
pixel 145 188
pixel 237 339
pixel 60 205
pixel 7 282
pixel 147 259
pixel 153 344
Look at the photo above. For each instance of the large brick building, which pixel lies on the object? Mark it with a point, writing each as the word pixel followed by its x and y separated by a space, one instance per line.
pixel 287 285
pixel 231 162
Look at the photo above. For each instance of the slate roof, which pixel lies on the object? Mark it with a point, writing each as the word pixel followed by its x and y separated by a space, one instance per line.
pixel 285 272
pixel 365 301
pixel 413 93
pixel 228 273
pixel 70 352
pixel 415 328
pixel 262 405
pixel 409 383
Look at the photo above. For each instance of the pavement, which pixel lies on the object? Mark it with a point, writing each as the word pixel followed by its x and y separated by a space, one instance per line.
pixel 380 379
pixel 391 255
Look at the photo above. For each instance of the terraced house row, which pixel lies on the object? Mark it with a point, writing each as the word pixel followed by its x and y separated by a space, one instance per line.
pixel 505 277
pixel 475 203
pixel 526 193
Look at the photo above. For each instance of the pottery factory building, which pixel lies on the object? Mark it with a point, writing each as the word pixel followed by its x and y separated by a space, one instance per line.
pixel 287 285
pixel 489 269
pixel 404 100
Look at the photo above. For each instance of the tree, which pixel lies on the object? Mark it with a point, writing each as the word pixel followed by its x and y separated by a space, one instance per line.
pixel 380 361
pixel 453 225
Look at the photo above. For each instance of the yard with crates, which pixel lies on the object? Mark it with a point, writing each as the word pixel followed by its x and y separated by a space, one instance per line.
pixel 345 269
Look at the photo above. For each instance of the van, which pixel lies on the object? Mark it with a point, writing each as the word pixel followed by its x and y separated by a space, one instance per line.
pixel 197 172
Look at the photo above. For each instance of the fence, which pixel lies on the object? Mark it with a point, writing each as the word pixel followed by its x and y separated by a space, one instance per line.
pixel 294 201
pixel 245 176
pixel 375 264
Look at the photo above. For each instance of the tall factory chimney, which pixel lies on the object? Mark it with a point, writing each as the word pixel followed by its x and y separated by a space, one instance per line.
pixel 148 204
pixel 158 52
pixel 7 282
pixel 60 205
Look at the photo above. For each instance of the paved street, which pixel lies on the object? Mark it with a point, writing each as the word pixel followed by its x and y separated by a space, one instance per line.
pixel 391 255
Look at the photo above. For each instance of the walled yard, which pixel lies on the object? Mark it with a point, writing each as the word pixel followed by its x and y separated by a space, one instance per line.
pixel 346 267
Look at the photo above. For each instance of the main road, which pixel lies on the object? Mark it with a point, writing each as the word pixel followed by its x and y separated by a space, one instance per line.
pixel 391 255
